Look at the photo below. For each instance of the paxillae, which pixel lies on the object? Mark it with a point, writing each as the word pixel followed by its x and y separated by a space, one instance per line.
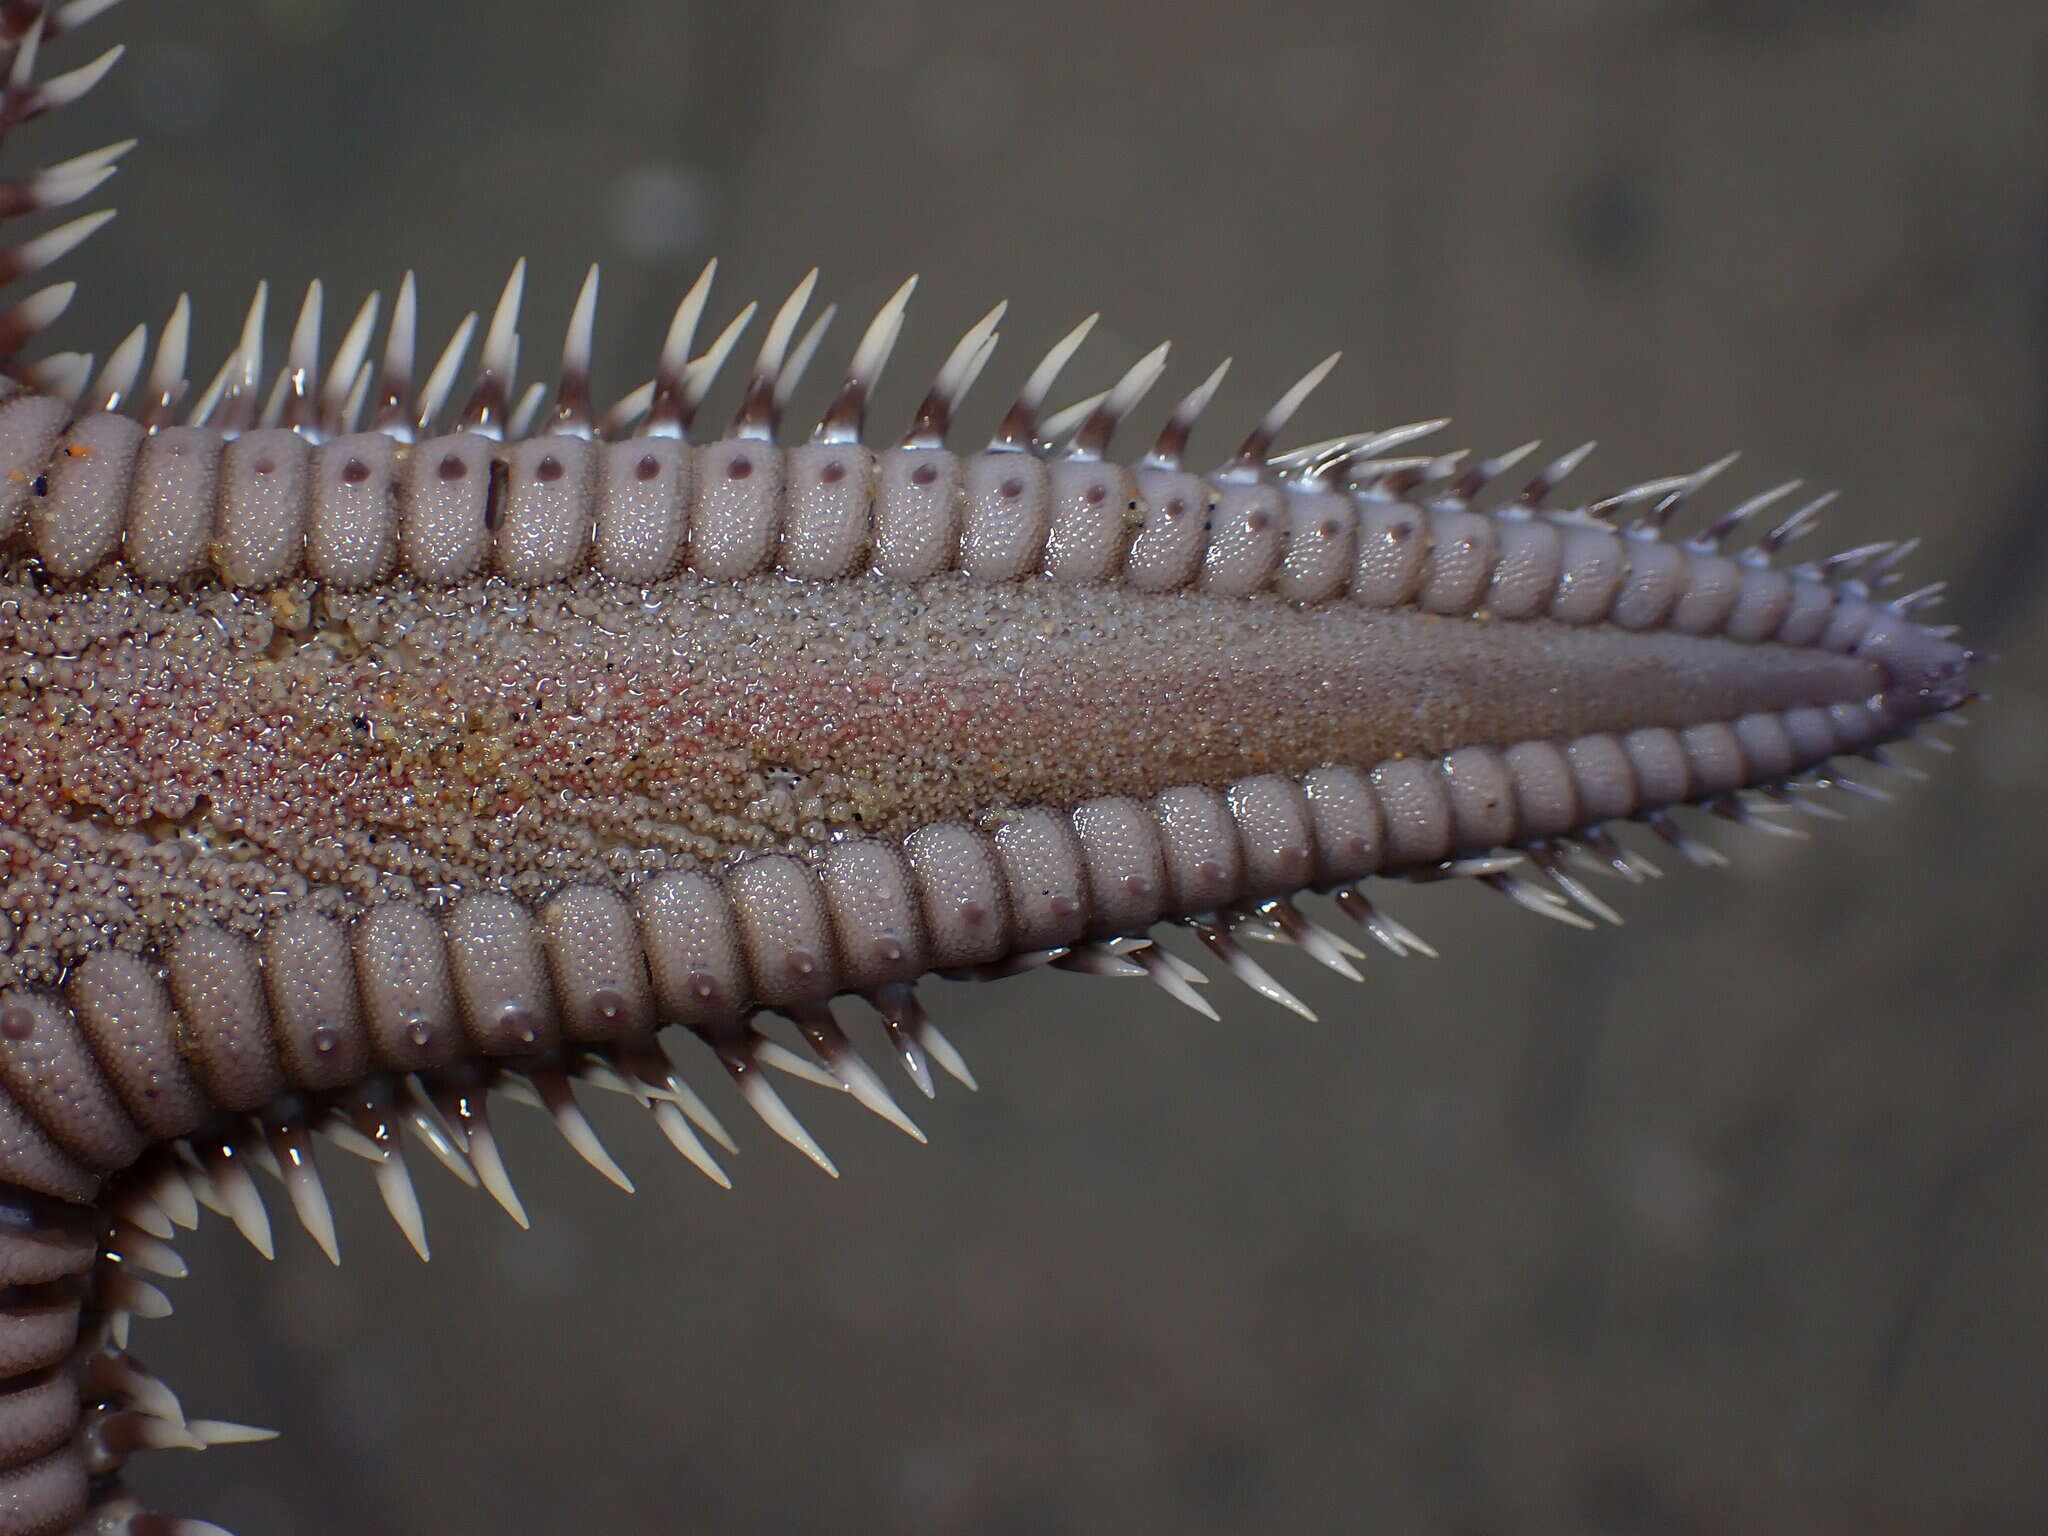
pixel 369 746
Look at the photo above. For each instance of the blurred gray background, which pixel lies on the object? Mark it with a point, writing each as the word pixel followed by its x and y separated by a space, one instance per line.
pixel 1734 1221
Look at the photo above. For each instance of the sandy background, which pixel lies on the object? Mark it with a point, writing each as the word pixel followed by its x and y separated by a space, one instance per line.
pixel 1735 1221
